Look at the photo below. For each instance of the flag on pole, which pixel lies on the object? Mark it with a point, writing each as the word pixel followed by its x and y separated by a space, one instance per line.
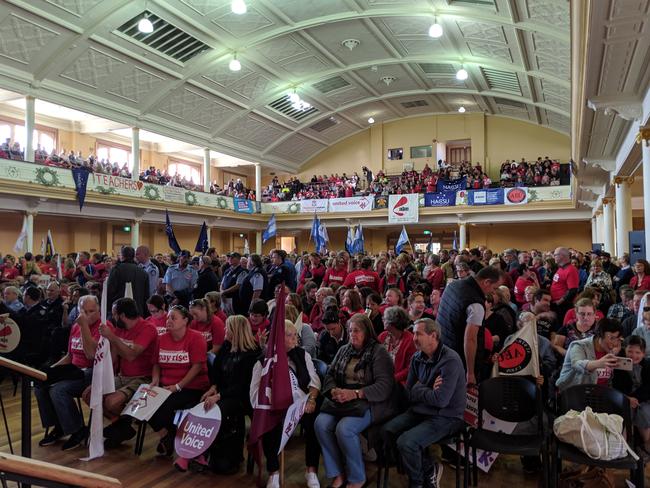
pixel 19 247
pixel 315 225
pixel 169 230
pixel 202 242
pixel 401 242
pixel 43 246
pixel 430 244
pixel 454 244
pixel 80 177
pixel 49 245
pixel 273 396
pixel 271 229
pixel 103 383
pixel 324 237
pixel 247 249
pixel 359 242
pixel 349 241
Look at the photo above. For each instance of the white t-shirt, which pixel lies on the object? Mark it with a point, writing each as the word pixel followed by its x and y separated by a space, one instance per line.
pixel 475 314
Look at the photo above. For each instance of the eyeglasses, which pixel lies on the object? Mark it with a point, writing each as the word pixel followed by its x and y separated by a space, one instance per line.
pixel 646 309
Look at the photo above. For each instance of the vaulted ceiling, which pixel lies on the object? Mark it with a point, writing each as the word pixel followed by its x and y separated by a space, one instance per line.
pixel 350 59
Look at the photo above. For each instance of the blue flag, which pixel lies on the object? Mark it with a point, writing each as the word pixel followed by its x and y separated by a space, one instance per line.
pixel 324 238
pixel 401 242
pixel 169 230
pixel 315 225
pixel 202 243
pixel 359 242
pixel 349 241
pixel 271 229
pixel 80 177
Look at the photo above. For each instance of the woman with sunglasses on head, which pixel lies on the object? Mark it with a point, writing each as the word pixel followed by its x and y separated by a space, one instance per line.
pixel 180 366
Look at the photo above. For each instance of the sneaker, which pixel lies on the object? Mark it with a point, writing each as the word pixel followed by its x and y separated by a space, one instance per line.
pixel 434 475
pixel 75 440
pixel 121 431
pixel 51 438
pixel 312 480
pixel 181 464
pixel 274 481
pixel 198 464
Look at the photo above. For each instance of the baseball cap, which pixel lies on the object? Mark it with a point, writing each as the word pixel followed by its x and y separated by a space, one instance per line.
pixel 234 254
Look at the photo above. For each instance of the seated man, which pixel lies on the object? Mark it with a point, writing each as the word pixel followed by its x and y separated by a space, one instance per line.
pixel 68 378
pixel 133 344
pixel 436 389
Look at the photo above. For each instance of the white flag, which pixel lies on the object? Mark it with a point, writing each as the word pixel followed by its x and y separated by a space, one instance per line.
pixel 247 249
pixel 19 247
pixel 103 383
pixel 520 353
pixel 128 290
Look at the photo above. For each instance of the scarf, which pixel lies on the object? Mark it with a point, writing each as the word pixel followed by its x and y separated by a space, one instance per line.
pixel 345 354
pixel 297 356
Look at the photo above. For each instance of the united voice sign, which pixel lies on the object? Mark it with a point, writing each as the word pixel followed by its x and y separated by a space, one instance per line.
pixel 197 431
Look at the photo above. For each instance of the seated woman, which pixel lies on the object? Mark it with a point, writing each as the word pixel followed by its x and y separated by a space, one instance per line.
pixel 358 391
pixel 214 297
pixel 306 336
pixel 209 325
pixel 581 329
pixel 374 312
pixel 231 374
pixel 157 313
pixel 398 341
pixel 417 307
pixel 636 385
pixel 180 367
pixel 305 383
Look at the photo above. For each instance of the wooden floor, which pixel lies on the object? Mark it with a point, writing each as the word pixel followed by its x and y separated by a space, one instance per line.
pixel 149 471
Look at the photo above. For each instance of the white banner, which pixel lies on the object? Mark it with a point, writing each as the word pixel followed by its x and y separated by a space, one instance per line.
pixel 515 196
pixel 520 353
pixel 316 205
pixel 9 334
pixel 291 421
pixel 403 209
pixel 146 400
pixel 352 204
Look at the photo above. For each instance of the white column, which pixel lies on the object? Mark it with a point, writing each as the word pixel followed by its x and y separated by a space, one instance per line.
pixel 258 242
pixel 209 236
pixel 258 182
pixel 645 149
pixel 135 234
pixel 29 128
pixel 29 218
pixel 135 152
pixel 610 232
pixel 462 236
pixel 600 225
pixel 623 214
pixel 594 229
pixel 206 171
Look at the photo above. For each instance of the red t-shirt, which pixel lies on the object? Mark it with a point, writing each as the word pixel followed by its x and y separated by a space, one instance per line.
pixel 520 287
pixel 333 275
pixel 361 278
pixel 436 278
pixel 220 314
pixel 175 359
pixel 570 316
pixel 603 374
pixel 564 279
pixel 10 273
pixel 76 347
pixel 214 332
pixel 644 285
pixel 144 334
pixel 160 323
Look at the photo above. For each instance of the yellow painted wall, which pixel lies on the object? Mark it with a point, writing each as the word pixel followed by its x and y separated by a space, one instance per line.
pixel 539 235
pixel 493 139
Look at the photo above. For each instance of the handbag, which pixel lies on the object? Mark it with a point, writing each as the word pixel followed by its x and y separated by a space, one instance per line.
pixel 591 476
pixel 598 435
pixel 352 408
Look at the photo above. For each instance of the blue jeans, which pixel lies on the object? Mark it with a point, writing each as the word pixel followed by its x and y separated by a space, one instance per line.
pixel 57 405
pixel 339 440
pixel 414 433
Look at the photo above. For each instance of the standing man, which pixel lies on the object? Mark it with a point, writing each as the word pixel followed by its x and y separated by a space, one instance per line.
pixel 231 282
pixel 566 281
pixel 207 280
pixel 127 271
pixel 254 284
pixel 143 258
pixel 279 271
pixel 180 278
pixel 461 314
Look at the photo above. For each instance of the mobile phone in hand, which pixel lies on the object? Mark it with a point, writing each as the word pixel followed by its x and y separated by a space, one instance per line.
pixel 624 364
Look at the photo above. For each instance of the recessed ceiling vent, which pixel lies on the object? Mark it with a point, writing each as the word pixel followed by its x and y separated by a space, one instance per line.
pixel 331 84
pixel 437 68
pixel 415 103
pixel 324 124
pixel 285 107
pixel 510 103
pixel 478 3
pixel 504 81
pixel 166 38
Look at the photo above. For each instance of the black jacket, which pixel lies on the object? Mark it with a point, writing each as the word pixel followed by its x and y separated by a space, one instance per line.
pixel 622 381
pixel 232 373
pixel 123 273
pixel 207 282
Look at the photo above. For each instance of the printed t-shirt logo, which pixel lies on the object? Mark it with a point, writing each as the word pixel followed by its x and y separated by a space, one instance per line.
pixel 516 195
pixel 76 344
pixel 173 357
pixel 515 357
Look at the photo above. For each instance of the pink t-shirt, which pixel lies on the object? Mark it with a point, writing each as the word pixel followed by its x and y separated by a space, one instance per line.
pixel 144 334
pixel 76 347
pixel 175 359
pixel 214 332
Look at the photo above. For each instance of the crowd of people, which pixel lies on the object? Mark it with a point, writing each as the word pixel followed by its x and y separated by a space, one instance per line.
pixel 385 342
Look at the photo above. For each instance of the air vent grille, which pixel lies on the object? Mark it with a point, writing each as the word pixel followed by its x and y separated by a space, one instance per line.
pixel 479 3
pixel 437 68
pixel 510 103
pixel 504 81
pixel 324 124
pixel 331 84
pixel 284 106
pixel 415 103
pixel 166 38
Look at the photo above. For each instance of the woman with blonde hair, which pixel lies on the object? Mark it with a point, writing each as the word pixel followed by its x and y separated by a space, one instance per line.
pixel 306 336
pixel 214 297
pixel 230 376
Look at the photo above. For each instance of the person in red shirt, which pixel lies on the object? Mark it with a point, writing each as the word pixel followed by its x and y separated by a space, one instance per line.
pixel 68 378
pixel 364 276
pixel 352 303
pixel 565 283
pixel 337 274
pixel 180 366
pixel 258 318
pixel 315 272
pixel 398 341
pixel 208 324
pixel 133 345
pixel 317 310
pixel 157 313
pixel 527 277
pixel 9 270
pixel 435 275
pixel 214 297
pixel 641 278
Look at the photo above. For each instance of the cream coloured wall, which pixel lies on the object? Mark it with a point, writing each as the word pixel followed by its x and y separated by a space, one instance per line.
pixel 494 139
pixel 540 235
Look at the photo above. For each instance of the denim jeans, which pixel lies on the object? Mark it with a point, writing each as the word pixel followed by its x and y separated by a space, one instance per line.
pixel 57 405
pixel 413 433
pixel 339 440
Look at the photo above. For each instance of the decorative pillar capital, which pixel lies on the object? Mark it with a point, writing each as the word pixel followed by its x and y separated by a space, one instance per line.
pixel 620 180
pixel 607 201
pixel 32 213
pixel 644 135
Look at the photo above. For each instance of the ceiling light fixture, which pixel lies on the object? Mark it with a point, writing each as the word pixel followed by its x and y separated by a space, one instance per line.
pixel 387 79
pixel 462 74
pixel 461 109
pixel 234 65
pixel 351 43
pixel 145 26
pixel 238 7
pixel 435 30
pixel 294 97
pixel 371 120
